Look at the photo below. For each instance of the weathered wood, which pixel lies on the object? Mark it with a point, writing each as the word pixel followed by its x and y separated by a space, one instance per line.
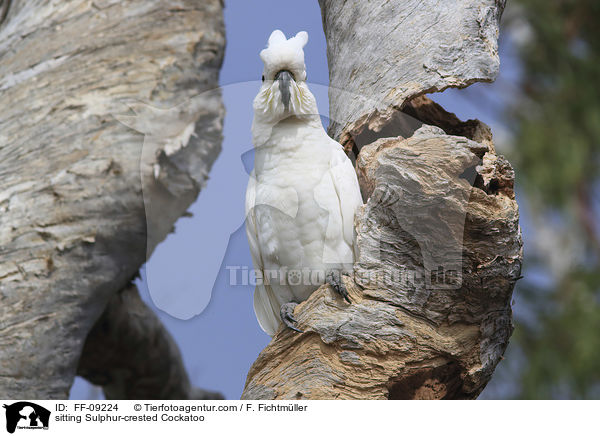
pixel 74 180
pixel 3 9
pixel 383 53
pixel 438 238
pixel 131 355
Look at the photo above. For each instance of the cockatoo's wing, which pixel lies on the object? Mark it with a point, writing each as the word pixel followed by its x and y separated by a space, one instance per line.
pixel 339 193
pixel 347 189
pixel 266 305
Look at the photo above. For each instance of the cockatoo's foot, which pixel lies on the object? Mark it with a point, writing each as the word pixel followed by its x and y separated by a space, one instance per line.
pixel 287 316
pixel 334 280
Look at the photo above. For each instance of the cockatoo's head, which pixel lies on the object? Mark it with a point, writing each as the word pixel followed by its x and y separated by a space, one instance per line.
pixel 284 92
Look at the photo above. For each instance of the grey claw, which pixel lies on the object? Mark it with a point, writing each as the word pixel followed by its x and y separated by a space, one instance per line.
pixel 335 281
pixel 296 329
pixel 287 316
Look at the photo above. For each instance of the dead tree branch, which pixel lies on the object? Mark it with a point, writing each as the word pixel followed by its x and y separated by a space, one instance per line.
pixel 84 198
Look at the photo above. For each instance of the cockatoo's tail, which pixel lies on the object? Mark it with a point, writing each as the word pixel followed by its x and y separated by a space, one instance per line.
pixel 284 92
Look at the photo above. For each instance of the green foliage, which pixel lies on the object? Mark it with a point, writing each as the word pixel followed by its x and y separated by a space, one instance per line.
pixel 563 347
pixel 557 154
pixel 559 123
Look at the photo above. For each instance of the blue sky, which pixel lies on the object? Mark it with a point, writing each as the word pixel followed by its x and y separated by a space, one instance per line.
pixel 215 326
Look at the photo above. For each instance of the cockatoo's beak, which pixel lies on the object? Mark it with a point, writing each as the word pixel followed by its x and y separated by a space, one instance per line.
pixel 284 77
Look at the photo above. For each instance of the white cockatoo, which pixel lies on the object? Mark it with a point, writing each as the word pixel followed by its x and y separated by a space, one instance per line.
pixel 302 195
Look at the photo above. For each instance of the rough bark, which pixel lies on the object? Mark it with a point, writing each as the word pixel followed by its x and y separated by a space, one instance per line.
pixel 131 355
pixel 83 197
pixel 383 53
pixel 438 238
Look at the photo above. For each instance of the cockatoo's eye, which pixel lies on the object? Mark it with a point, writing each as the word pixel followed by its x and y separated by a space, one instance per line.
pixel 263 78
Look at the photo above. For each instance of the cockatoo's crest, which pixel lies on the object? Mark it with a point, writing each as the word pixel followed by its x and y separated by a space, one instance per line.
pixel 285 54
pixel 277 36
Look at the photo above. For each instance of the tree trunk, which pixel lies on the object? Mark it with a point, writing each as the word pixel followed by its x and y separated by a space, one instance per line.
pixel 84 198
pixel 130 354
pixel 438 238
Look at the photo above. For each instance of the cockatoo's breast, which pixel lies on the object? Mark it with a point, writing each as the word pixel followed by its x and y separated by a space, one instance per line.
pixel 298 221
